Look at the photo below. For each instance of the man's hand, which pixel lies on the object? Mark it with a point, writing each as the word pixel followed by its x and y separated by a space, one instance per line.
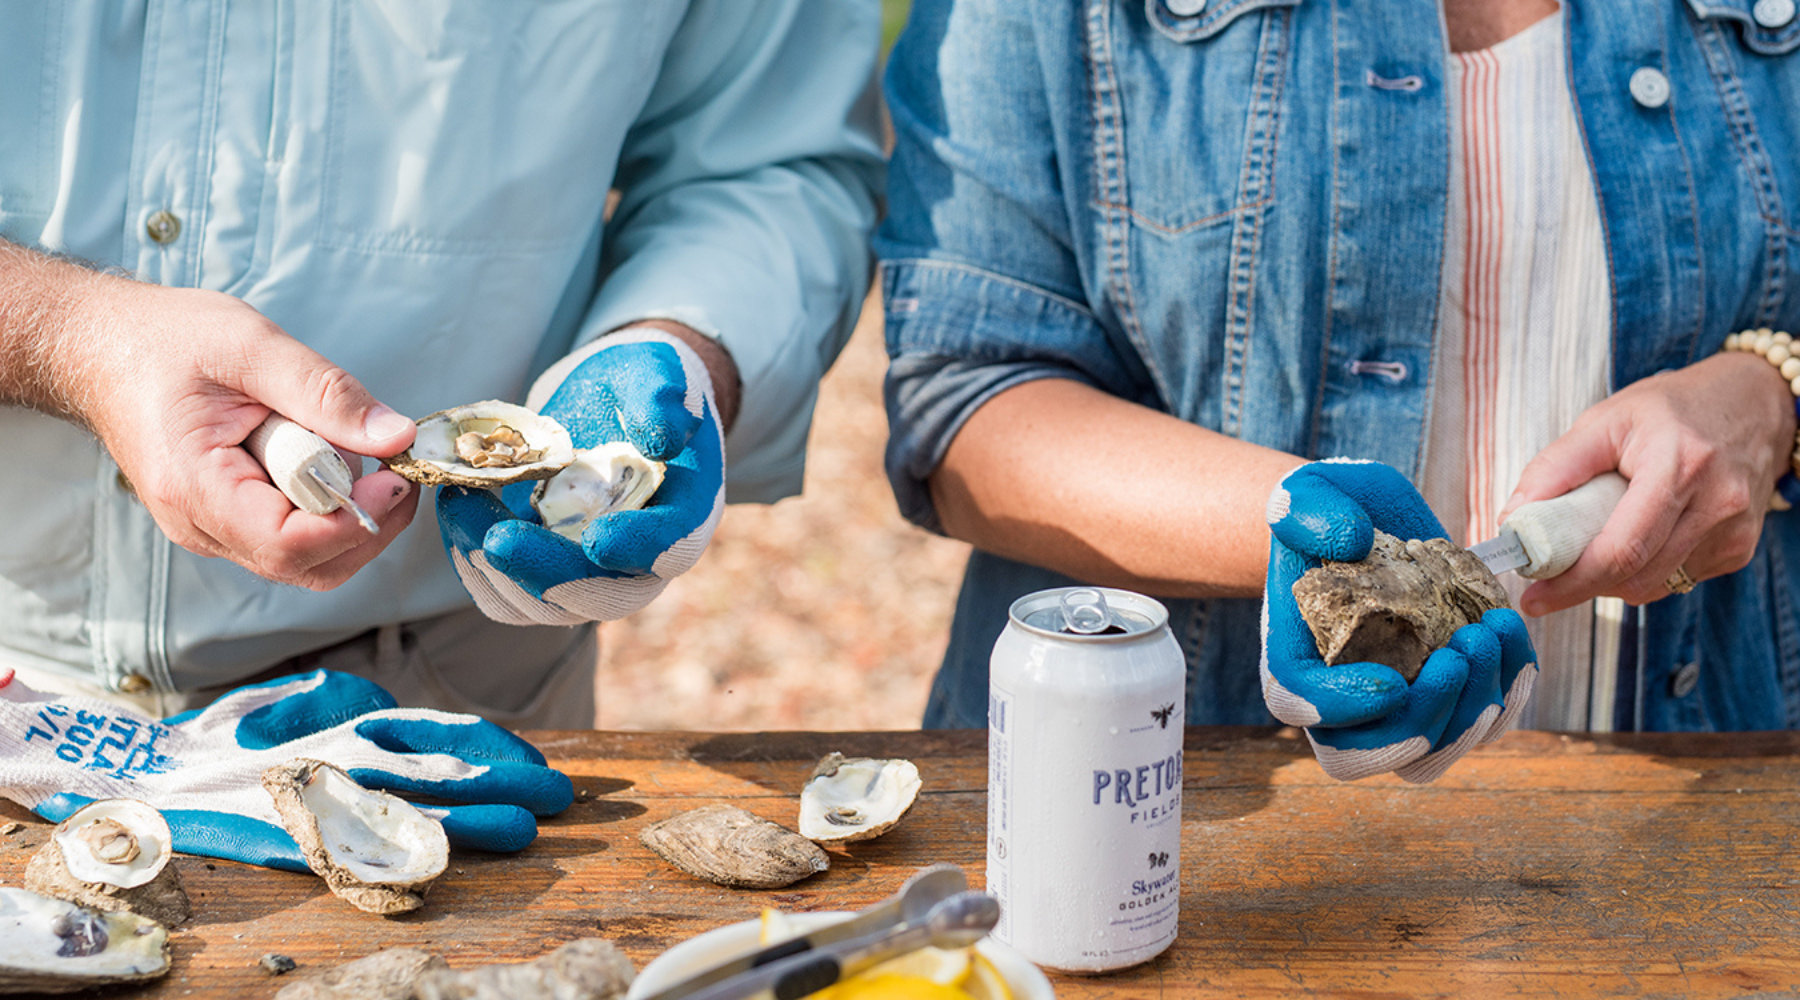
pixel 642 385
pixel 1702 447
pixel 203 769
pixel 1363 718
pixel 172 381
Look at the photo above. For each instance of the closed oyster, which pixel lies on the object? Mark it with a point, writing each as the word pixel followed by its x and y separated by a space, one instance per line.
pixel 856 798
pixel 732 847
pixel 484 445
pixel 376 851
pixel 54 946
pixel 600 481
pixel 113 855
pixel 583 969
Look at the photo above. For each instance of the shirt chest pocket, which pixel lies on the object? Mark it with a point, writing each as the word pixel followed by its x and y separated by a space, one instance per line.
pixel 452 126
pixel 1751 50
pixel 1187 111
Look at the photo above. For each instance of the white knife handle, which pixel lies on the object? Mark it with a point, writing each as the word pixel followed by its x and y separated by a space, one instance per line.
pixel 1555 532
pixel 288 450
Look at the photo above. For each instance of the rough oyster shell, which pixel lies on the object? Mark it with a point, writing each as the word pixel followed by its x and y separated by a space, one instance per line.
pixel 1397 605
pixel 601 480
pixel 112 855
pixel 54 946
pixel 856 798
pixel 376 851
pixel 583 969
pixel 434 458
pixel 731 847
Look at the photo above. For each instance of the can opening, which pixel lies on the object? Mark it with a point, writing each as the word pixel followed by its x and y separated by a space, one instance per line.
pixel 1084 612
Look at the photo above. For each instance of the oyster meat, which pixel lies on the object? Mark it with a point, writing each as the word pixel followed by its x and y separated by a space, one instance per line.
pixel 376 851
pixel 600 481
pixel 731 847
pixel 856 798
pixel 54 946
pixel 112 854
pixel 484 445
pixel 1397 605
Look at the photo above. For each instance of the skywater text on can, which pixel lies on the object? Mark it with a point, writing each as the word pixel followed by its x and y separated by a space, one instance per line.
pixel 1086 699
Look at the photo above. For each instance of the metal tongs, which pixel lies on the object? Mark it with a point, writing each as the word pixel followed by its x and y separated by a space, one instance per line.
pixel 932 908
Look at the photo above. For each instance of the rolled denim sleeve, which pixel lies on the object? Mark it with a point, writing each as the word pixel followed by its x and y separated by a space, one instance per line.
pixel 748 195
pixel 980 280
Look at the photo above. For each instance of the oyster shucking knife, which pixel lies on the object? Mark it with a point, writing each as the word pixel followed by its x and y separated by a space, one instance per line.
pixel 1545 537
pixel 306 468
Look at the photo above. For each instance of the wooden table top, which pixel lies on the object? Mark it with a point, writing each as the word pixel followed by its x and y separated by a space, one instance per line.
pixel 1542 865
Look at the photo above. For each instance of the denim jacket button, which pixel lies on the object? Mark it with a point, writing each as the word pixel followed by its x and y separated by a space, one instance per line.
pixel 1188 8
pixel 1682 682
pixel 1649 87
pixel 1773 13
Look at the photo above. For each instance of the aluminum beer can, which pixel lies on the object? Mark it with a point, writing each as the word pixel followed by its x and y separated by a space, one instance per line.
pixel 1086 700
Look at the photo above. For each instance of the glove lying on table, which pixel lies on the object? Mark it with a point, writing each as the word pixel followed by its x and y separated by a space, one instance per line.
pixel 639 385
pixel 1363 718
pixel 203 769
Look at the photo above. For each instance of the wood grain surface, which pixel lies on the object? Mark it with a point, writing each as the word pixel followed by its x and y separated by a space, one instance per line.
pixel 1542 865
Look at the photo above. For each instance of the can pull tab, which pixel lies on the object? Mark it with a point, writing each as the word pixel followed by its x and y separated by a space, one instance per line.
pixel 1084 611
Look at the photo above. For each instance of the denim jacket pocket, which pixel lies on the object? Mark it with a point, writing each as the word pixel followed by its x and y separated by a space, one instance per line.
pixel 1196 20
pixel 1186 116
pixel 1778 39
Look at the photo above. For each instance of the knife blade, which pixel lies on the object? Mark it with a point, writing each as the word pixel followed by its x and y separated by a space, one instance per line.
pixel 1543 538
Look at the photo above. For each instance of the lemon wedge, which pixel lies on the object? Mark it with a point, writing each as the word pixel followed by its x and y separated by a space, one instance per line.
pixel 890 986
pixel 946 967
pixel 985 982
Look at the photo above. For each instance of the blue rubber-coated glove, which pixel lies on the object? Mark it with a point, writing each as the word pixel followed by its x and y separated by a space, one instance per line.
pixel 639 385
pixel 1363 718
pixel 203 769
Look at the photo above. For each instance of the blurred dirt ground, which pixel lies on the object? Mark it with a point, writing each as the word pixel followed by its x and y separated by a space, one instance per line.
pixel 825 611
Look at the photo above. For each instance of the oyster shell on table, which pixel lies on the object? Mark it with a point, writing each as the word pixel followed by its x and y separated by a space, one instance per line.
pixel 855 798
pixel 54 946
pixel 732 847
pixel 112 855
pixel 583 969
pixel 484 445
pixel 376 851
pixel 611 477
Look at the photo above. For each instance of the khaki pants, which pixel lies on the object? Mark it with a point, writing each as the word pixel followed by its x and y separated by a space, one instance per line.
pixel 520 678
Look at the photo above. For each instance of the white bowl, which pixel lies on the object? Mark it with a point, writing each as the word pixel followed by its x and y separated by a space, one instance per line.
pixel 723 943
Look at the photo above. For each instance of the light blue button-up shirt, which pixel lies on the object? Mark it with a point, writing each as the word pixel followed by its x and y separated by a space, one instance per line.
pixel 416 190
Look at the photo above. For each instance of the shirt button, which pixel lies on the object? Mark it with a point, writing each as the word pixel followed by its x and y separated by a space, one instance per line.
pixel 163 226
pixel 1649 87
pixel 1188 8
pixel 1773 13
pixel 134 684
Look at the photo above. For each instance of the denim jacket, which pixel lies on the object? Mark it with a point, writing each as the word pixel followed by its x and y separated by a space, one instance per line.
pixel 1219 212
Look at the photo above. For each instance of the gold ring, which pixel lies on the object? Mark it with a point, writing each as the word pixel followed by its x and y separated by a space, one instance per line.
pixel 1679 582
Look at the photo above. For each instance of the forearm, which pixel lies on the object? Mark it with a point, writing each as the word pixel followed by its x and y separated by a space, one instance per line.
pixel 1059 474
pixel 41 301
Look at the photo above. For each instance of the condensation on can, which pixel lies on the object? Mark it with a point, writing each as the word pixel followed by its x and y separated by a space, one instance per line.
pixel 1084 779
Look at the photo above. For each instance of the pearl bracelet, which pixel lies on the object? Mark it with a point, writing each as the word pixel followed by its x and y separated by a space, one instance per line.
pixel 1780 350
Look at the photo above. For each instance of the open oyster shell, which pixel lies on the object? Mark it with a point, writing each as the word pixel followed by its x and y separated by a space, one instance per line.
pixel 112 855
pixel 54 946
pixel 856 798
pixel 376 851
pixel 484 445
pixel 733 847
pixel 600 481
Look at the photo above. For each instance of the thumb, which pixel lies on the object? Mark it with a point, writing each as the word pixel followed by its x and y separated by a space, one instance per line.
pixel 301 385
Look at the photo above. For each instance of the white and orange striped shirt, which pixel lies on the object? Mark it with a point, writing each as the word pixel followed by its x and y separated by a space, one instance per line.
pixel 1525 325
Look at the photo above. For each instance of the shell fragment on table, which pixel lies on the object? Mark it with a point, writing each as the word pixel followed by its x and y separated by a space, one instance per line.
pixel 54 946
pixel 376 851
pixel 856 798
pixel 602 480
pixel 732 847
pixel 484 445
pixel 112 855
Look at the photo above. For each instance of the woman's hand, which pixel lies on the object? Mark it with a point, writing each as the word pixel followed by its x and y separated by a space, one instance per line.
pixel 1702 447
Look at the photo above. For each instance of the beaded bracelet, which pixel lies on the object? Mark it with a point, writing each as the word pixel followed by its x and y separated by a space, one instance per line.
pixel 1780 350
